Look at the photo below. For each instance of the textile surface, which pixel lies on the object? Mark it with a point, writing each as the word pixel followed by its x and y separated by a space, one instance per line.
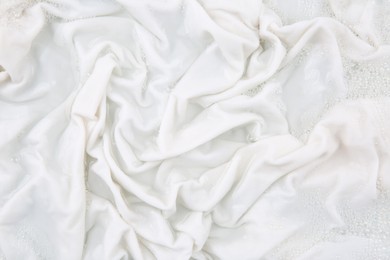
pixel 194 129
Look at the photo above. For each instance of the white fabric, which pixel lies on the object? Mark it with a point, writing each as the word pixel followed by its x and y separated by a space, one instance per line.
pixel 194 129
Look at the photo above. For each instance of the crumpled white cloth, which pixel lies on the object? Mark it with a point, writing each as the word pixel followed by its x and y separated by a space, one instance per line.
pixel 194 129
